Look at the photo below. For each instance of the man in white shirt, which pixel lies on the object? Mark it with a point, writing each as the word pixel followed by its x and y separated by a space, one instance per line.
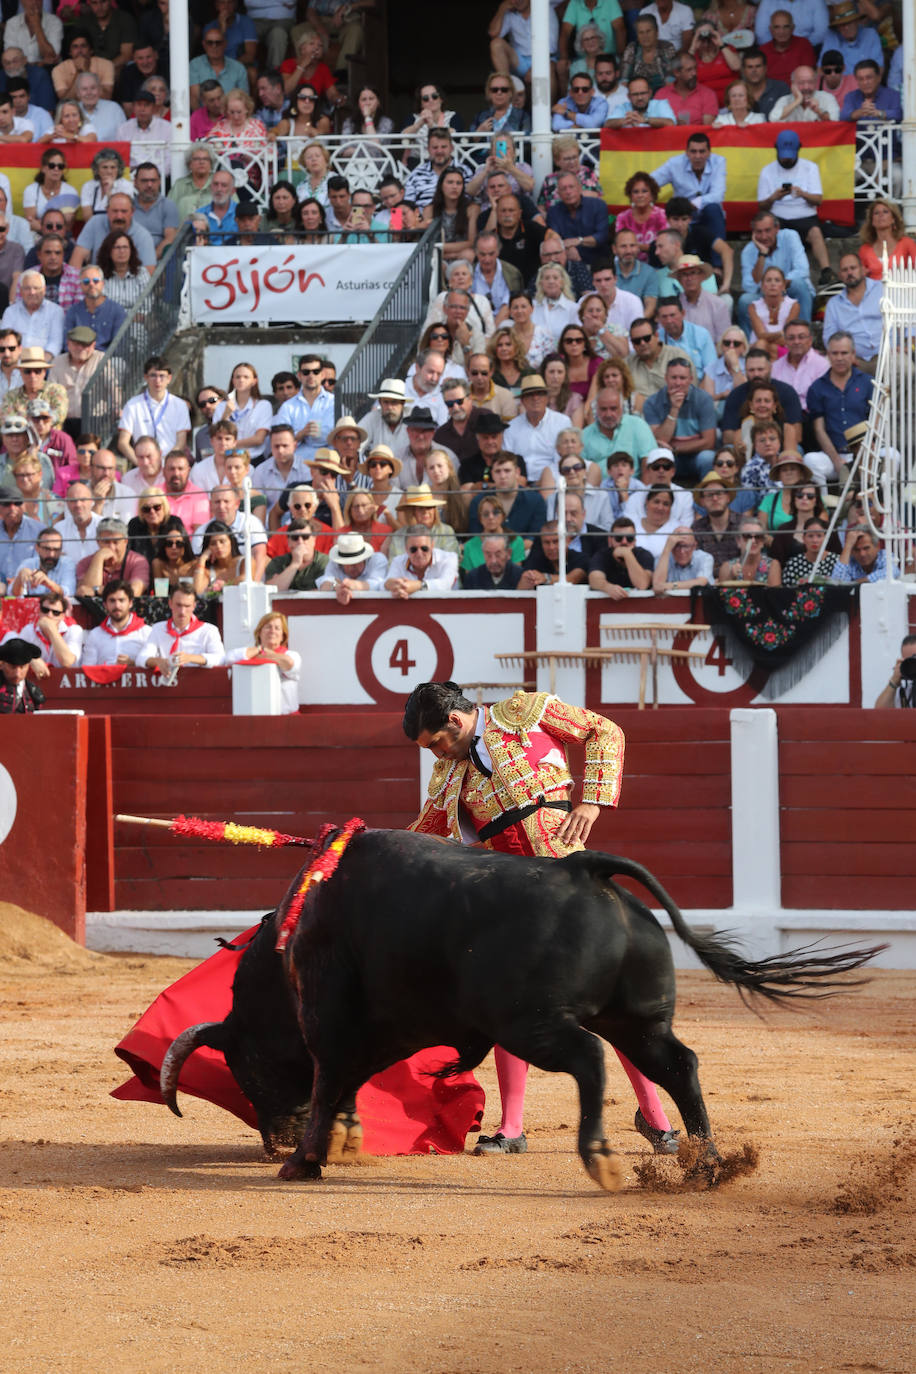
pixel 675 22
pixel 533 434
pixel 40 322
pixel 422 568
pixel 805 103
pixel 148 472
pixel 39 118
pixel 37 35
pixel 12 128
pixel 310 413
pixel 226 506
pixel 790 188
pixel 147 129
pixel 109 496
pixel 155 411
pixel 353 566
pixel 105 116
pixel 423 388
pixel 55 634
pixel 623 307
pixel 78 527
pixel 122 633
pixel 182 641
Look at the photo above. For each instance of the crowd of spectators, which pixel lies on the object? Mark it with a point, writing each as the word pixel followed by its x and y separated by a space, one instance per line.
pixel 685 389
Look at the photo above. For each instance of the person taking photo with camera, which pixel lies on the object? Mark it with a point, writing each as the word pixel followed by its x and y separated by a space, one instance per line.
pixel 901 686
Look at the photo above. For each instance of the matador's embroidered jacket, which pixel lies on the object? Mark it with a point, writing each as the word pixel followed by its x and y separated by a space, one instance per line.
pixel 525 738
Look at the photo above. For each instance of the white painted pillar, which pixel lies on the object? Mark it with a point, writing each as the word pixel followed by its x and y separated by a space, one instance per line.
pixel 541 156
pixel 256 690
pixel 561 626
pixel 243 606
pixel 883 621
pixel 908 135
pixel 179 60
pixel 756 870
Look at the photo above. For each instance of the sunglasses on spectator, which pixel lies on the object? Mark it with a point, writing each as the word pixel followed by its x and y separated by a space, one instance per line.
pixel 725 463
pixel 430 95
pixel 640 338
pixel 835 70
pixel 307 95
pixel 581 88
pixel 208 400
pixel 51 610
pixel 85 448
pixel 573 467
pixel 378 463
pixel 439 334
pixel 456 401
pixel 733 343
pixel 624 538
pixel 662 467
pixel 56 166
pixel 418 548
pixel 8 348
pixel 751 537
pixel 148 510
pixel 479 372
pixel 90 281
pixel 501 90
pixel 329 383
pixel 174 543
pixel 574 338
pixel 4 228
pixel 299 538
pixel 309 371
pixel 806 496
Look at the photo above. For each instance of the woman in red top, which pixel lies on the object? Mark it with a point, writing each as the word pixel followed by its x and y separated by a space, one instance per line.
pixel 308 68
pixel 883 228
pixel 360 518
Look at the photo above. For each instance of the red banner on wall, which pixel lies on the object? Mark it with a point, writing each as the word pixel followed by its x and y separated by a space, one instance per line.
pixel 746 151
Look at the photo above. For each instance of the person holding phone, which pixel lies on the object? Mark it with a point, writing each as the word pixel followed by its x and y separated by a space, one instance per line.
pixel 790 188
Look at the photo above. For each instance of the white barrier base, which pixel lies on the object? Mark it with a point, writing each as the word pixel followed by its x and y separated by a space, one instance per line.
pixel 192 934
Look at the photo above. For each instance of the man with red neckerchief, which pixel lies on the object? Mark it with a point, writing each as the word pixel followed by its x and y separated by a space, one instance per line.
pixel 55 634
pixel 182 640
pixel 122 633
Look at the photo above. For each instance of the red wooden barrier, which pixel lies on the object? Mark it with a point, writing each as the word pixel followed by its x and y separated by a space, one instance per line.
pixel 847 791
pixel 43 817
pixel 138 693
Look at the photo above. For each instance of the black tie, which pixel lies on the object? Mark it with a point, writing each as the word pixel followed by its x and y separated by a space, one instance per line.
pixel 477 760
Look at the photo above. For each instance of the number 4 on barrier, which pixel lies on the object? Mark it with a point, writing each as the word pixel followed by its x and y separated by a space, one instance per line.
pixel 716 658
pixel 400 658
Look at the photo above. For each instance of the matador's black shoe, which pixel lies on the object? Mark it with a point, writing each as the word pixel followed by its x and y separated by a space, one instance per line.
pixel 662 1142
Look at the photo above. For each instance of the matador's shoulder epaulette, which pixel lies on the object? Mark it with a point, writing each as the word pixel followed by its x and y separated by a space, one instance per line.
pixel 522 711
pixel 440 776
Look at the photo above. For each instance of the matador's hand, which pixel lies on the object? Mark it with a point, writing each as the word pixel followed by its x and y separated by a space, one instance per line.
pixel 578 823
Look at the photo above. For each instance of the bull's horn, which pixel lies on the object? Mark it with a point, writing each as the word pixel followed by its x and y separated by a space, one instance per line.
pixel 206 1033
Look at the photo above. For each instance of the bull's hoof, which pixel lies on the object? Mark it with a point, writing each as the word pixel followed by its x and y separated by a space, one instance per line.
pixel 605 1166
pixel 345 1139
pixel 300 1171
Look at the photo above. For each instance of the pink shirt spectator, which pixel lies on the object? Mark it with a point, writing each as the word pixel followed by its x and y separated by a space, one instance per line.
pixel 192 507
pixel 201 124
pixel 646 231
pixel 692 108
pixel 812 366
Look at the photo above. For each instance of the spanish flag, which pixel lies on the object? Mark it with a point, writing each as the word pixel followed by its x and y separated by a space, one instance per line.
pixel 747 151
pixel 22 160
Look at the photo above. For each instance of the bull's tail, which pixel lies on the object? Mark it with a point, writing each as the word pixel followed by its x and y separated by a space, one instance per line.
pixel 800 973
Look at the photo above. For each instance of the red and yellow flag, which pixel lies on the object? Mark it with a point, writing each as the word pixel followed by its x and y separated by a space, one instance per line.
pixel 22 160
pixel 747 151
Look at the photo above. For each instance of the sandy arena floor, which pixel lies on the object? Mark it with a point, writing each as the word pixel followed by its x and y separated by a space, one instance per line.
pixel 132 1241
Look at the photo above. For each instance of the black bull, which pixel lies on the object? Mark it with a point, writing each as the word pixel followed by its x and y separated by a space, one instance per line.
pixel 414 943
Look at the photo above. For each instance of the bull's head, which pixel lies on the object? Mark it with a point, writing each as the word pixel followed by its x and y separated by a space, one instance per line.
pixel 261 1042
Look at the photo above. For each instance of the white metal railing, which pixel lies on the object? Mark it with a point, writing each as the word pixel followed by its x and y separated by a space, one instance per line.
pixel 365 160
pixel 887 457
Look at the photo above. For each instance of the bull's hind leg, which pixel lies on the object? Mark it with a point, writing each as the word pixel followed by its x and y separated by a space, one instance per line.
pixel 564 1047
pixel 333 1100
pixel 657 1052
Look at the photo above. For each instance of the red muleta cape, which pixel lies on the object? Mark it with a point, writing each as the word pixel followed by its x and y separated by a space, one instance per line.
pixel 403 1111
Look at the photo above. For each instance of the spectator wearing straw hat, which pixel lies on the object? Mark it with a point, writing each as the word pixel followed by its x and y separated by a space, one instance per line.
pixel 332 481
pixel 534 433
pixel 704 308
pixel 33 367
pixel 346 438
pixel 353 566
pixel 420 506
pixel 385 423
pixel 378 474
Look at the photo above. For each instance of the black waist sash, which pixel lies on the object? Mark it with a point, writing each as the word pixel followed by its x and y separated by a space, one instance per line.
pixel 519 813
